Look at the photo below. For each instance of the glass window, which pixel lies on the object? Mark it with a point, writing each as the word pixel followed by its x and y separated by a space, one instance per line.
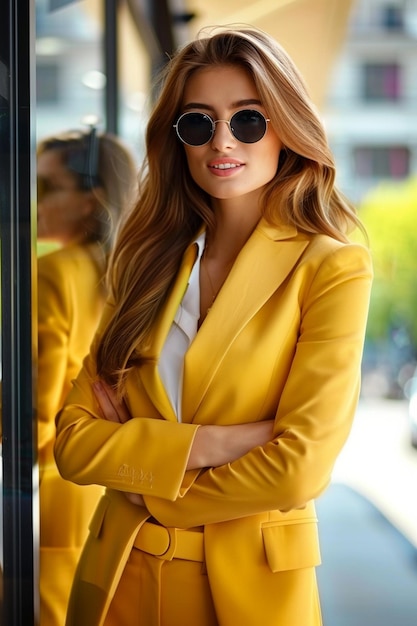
pixel 382 82
pixel 71 70
pixel 47 83
pixel 378 162
pixel 392 17
pixel 69 67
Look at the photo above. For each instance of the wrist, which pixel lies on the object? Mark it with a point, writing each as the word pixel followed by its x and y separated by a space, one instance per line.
pixel 208 449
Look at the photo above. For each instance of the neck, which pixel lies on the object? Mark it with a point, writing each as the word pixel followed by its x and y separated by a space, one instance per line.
pixel 231 232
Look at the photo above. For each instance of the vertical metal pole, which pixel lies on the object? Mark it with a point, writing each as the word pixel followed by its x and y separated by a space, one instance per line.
pixel 16 176
pixel 111 66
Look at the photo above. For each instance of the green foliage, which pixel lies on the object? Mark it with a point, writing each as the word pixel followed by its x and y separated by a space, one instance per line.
pixel 389 213
pixel 43 247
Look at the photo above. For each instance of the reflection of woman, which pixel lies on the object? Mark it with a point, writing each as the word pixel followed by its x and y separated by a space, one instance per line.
pixel 227 363
pixel 84 183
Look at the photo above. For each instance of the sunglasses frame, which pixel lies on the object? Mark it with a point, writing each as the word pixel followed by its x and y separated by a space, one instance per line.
pixel 213 126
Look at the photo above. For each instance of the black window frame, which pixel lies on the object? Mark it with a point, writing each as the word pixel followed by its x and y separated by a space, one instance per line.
pixel 19 462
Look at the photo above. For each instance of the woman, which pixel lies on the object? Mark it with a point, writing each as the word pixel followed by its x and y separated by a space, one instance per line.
pixel 224 377
pixel 85 182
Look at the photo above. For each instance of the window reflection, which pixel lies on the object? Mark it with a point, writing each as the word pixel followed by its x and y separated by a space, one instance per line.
pixel 70 72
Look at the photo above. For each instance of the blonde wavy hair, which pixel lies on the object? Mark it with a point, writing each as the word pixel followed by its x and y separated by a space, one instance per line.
pixel 171 207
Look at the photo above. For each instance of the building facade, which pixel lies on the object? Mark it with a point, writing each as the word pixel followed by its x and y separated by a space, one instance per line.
pixel 371 111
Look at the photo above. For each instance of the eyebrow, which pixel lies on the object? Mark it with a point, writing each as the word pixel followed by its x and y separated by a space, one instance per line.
pixel 234 105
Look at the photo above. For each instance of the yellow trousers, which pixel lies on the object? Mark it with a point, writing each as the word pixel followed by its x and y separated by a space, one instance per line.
pixel 158 592
pixel 65 512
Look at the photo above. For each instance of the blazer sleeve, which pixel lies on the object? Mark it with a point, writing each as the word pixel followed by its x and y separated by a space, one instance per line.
pixel 315 412
pixel 146 455
pixel 54 320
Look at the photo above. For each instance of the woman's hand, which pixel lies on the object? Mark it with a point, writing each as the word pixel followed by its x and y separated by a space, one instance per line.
pixel 112 408
pixel 217 445
pixel 212 446
pixel 134 498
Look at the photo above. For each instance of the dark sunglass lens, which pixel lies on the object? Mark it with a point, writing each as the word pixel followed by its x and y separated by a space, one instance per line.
pixel 195 129
pixel 248 126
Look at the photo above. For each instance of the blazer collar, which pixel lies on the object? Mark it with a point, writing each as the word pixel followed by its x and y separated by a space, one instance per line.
pixel 262 265
pixel 238 301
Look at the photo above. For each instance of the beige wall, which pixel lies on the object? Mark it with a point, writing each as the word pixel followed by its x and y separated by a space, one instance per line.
pixel 312 31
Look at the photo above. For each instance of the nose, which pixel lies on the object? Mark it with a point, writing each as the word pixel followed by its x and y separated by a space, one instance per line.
pixel 223 137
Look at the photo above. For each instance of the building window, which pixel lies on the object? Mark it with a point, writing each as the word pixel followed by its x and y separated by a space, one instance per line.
pixel 381 82
pixel 392 17
pixel 376 162
pixel 47 83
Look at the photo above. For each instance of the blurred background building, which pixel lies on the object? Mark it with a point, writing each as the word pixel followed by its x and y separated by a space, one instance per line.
pixel 371 108
pixel 359 58
pixel 363 76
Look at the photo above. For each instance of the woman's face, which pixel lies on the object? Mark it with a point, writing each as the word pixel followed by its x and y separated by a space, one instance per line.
pixel 226 168
pixel 63 207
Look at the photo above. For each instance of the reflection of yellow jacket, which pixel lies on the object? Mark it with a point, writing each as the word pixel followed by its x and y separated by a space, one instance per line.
pixel 283 339
pixel 70 302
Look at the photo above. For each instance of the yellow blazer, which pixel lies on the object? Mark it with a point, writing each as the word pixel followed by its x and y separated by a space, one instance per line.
pixel 70 303
pixel 283 340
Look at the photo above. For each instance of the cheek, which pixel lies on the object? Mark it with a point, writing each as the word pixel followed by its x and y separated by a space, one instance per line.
pixel 271 159
pixel 44 210
pixel 194 164
pixel 51 215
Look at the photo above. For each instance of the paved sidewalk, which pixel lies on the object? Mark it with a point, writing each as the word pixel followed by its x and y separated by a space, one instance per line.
pixel 369 571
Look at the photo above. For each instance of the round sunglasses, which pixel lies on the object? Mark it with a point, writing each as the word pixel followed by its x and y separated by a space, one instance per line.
pixel 197 129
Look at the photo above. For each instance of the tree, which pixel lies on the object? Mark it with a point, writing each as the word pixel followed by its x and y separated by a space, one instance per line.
pixel 389 213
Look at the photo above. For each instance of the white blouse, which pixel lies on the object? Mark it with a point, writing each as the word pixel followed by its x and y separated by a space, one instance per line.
pixel 182 332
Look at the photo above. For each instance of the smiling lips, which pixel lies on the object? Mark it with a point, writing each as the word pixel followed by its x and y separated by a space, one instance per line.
pixel 224 167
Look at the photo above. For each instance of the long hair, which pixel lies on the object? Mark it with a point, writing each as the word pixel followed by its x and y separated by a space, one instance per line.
pixel 114 181
pixel 171 207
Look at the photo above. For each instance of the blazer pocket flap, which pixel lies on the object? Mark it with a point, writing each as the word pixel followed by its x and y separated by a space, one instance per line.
pixel 96 521
pixel 291 545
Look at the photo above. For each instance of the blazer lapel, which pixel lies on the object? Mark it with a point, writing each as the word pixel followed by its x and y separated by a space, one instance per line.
pixel 149 371
pixel 262 265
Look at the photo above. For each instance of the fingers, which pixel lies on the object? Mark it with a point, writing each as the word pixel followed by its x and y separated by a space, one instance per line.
pixel 112 408
pixel 108 411
pixel 135 498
